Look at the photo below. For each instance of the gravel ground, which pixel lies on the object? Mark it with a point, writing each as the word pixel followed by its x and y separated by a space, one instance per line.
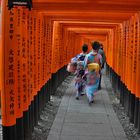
pixel 47 117
pixel 129 129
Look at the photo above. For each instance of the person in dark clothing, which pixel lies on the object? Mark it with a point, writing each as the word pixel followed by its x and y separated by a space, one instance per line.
pixel 102 53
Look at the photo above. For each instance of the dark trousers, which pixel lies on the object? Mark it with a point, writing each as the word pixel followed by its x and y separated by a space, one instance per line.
pixel 99 87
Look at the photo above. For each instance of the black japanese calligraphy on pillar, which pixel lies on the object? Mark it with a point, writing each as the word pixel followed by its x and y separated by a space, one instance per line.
pixel 39 52
pixel 24 59
pixel 34 57
pixel 28 59
pixel 31 54
pixel 12 3
pixel 11 80
pixel 18 63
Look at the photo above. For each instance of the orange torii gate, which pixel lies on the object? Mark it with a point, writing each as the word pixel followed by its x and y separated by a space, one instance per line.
pixel 37 45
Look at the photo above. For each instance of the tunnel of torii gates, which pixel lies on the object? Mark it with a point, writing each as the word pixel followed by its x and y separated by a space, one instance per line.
pixel 36 45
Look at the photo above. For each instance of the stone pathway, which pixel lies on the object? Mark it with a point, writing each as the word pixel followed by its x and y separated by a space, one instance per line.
pixel 76 120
